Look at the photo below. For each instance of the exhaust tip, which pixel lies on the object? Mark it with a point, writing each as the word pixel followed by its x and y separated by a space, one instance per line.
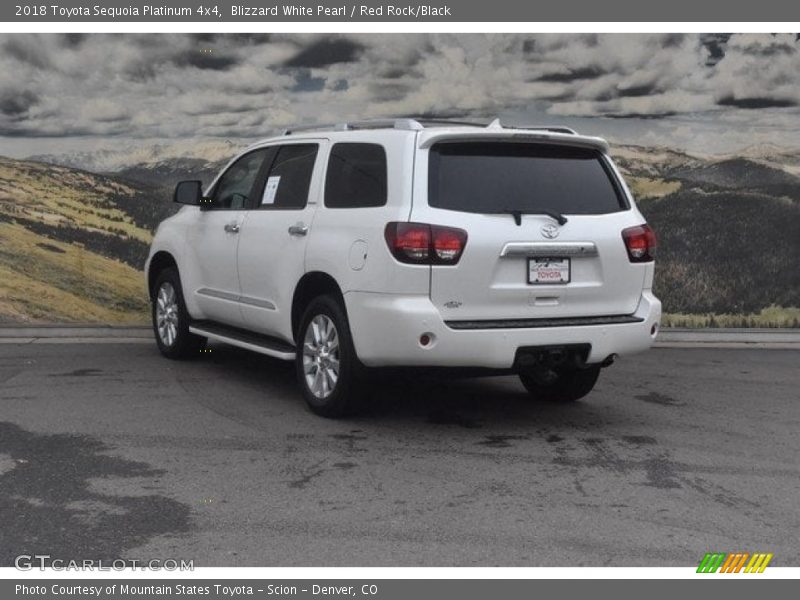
pixel 609 360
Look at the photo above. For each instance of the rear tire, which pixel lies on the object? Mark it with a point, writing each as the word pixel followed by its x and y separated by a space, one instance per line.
pixel 171 319
pixel 569 386
pixel 328 370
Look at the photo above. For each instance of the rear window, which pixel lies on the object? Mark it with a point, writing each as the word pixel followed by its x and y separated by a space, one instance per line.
pixel 491 177
pixel 356 176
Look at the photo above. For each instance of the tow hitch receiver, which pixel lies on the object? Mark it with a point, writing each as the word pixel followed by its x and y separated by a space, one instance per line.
pixel 546 362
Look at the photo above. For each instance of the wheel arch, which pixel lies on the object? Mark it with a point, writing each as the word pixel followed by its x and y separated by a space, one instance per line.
pixel 161 260
pixel 312 285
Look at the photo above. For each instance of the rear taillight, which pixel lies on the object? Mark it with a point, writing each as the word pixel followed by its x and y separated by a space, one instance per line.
pixel 409 242
pixel 423 244
pixel 640 242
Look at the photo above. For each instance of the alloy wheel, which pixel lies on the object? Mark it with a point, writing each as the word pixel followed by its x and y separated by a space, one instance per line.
pixel 167 314
pixel 321 356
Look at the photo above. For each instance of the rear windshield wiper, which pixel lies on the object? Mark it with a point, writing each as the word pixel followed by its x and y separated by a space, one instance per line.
pixel 562 220
pixel 517 214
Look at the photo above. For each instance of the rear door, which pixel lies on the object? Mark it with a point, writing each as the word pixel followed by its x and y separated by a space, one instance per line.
pixel 274 235
pixel 519 262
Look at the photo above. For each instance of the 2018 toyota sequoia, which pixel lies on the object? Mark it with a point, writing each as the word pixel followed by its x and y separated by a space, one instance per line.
pixel 411 243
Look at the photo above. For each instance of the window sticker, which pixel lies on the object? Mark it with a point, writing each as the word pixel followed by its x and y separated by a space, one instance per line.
pixel 271 189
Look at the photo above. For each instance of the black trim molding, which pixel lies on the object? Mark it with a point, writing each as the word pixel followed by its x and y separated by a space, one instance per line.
pixel 539 323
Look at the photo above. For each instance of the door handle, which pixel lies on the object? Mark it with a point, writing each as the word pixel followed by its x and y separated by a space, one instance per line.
pixel 298 229
pixel 232 227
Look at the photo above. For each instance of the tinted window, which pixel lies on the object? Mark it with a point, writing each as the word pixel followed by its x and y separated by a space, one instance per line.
pixel 501 176
pixel 234 188
pixel 356 176
pixel 289 178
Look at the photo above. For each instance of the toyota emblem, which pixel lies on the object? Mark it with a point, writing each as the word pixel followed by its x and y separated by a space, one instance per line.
pixel 550 231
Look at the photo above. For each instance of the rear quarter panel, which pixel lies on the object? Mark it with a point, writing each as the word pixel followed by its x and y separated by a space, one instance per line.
pixel 349 244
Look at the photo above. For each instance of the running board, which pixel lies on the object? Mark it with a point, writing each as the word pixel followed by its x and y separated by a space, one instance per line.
pixel 263 344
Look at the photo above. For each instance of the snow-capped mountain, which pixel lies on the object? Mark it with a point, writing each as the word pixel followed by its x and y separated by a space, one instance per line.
pixel 144 155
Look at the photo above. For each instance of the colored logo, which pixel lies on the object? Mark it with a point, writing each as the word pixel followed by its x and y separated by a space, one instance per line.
pixel 734 562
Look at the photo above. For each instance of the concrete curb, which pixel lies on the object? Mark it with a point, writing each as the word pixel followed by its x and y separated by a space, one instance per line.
pixel 745 336
pixel 76 331
pixel 126 334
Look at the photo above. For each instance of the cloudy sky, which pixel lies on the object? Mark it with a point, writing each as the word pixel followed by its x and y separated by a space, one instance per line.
pixel 706 93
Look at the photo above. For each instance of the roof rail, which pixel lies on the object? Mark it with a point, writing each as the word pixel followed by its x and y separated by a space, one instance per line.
pixel 405 124
pixel 299 128
pixel 411 124
pixel 444 121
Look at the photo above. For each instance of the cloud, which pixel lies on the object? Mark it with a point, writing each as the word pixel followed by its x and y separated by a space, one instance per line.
pixel 73 40
pixel 714 43
pixel 27 50
pixel 104 111
pixel 326 52
pixel 203 59
pixel 755 102
pixel 15 104
pixel 758 72
pixel 594 74
pixel 571 75
pixel 244 85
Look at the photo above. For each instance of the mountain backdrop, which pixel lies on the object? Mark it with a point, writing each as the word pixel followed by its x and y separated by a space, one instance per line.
pixel 74 230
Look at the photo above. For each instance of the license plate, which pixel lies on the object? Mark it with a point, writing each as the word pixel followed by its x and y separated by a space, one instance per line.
pixel 548 270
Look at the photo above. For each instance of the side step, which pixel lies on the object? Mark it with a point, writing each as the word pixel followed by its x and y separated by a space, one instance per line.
pixel 263 344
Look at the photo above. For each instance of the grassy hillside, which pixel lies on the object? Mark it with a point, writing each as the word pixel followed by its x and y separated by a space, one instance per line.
pixel 736 173
pixel 72 244
pixel 725 252
pixel 728 231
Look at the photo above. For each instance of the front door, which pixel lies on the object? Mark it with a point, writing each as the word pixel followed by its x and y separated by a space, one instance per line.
pixel 213 241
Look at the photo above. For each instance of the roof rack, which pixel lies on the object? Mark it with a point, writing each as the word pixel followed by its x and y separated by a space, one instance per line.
pixel 406 124
pixel 433 121
pixel 411 124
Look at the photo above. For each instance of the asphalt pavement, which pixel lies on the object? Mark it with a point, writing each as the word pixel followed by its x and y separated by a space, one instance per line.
pixel 108 450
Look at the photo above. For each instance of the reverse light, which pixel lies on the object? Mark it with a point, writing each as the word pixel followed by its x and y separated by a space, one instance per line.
pixel 640 241
pixel 424 244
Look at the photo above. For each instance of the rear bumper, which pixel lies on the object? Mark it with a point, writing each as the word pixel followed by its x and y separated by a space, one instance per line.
pixel 386 331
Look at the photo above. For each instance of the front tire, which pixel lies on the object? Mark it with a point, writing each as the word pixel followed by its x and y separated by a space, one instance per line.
pixel 328 370
pixel 171 319
pixel 569 385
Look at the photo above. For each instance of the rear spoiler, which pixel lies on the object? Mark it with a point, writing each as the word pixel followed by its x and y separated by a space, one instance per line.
pixel 428 139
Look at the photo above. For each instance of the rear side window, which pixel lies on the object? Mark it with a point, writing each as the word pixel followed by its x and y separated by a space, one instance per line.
pixel 490 177
pixel 356 176
pixel 289 178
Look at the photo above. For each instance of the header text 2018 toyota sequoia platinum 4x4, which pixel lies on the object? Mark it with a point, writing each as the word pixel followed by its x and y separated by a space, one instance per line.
pixel 411 243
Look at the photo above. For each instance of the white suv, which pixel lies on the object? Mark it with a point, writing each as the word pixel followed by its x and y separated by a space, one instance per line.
pixel 411 243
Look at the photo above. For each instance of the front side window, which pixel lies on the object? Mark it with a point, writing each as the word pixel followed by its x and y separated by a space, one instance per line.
pixel 356 176
pixel 289 178
pixel 234 188
pixel 491 177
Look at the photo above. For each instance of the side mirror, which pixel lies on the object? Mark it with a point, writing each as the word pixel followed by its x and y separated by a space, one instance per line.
pixel 188 192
